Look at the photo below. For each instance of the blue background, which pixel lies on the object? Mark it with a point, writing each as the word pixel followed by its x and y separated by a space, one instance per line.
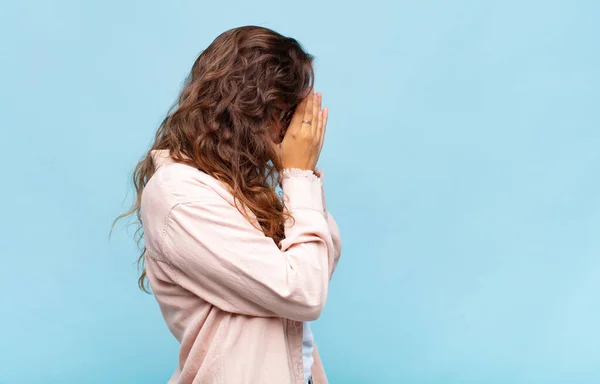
pixel 461 163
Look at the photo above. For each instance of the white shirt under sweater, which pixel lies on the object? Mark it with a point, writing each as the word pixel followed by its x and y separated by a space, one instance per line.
pixel 307 350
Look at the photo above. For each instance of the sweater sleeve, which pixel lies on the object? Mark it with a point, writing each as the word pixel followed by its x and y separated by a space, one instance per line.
pixel 333 227
pixel 336 239
pixel 218 255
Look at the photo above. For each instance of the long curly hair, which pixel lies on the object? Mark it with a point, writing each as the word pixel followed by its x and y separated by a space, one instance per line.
pixel 235 104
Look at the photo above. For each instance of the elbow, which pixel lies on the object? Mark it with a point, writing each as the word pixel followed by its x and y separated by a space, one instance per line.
pixel 308 312
pixel 312 314
pixel 304 300
pixel 310 307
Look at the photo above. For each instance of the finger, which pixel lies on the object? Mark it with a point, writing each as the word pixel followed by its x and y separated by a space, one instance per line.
pixel 296 121
pixel 315 113
pixel 319 126
pixel 308 112
pixel 325 115
pixel 319 118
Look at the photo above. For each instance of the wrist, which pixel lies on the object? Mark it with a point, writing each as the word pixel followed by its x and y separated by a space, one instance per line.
pixel 303 167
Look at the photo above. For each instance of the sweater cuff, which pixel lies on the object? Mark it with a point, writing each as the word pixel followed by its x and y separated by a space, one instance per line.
pixel 319 173
pixel 302 189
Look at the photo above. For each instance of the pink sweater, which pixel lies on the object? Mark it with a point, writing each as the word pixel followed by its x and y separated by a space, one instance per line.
pixel 233 299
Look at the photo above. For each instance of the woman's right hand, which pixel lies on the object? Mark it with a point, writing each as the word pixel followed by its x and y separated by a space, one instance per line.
pixel 302 143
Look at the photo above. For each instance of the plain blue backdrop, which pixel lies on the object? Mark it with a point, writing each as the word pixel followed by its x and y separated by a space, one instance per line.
pixel 462 164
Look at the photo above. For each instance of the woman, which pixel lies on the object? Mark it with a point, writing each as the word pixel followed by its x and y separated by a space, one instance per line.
pixel 237 270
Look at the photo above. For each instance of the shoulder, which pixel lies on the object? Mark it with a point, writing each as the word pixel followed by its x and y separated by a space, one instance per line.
pixel 178 184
